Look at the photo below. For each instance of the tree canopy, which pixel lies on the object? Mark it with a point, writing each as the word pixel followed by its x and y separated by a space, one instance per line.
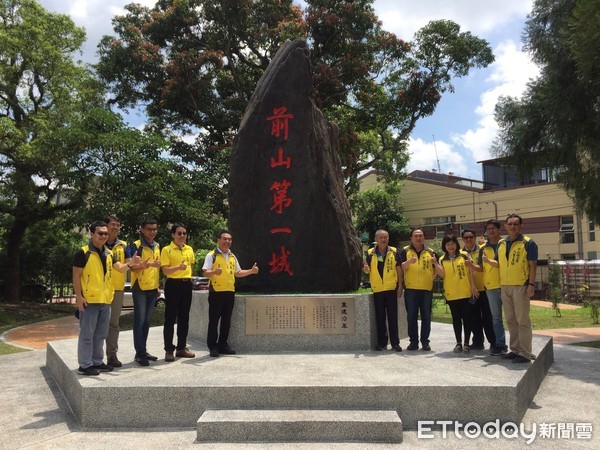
pixel 63 153
pixel 193 65
pixel 556 123
pixel 380 207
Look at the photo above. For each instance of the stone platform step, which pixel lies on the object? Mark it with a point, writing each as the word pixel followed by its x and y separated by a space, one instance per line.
pixel 299 426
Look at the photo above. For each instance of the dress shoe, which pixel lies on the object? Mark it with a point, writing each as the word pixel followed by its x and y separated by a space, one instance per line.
pixel 426 348
pixel 142 361
pixel 88 371
pixel 378 349
pixel 113 361
pixel 521 359
pixel 412 346
pixel 103 368
pixel 226 351
pixel 169 357
pixel 214 352
pixel 184 353
pixel 397 348
pixel 150 357
pixel 511 355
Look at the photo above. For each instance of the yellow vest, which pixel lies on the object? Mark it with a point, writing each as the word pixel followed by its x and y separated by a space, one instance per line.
pixel 420 274
pixel 173 256
pixel 118 252
pixel 491 274
pixel 226 281
pixel 97 286
pixel 456 278
pixel 514 270
pixel 390 274
pixel 478 276
pixel 147 279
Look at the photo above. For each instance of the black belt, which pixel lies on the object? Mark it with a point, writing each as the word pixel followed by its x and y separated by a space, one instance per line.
pixel 180 279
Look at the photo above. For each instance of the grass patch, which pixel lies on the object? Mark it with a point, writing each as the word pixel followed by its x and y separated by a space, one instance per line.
pixel 593 344
pixel 7 349
pixel 541 318
pixel 15 315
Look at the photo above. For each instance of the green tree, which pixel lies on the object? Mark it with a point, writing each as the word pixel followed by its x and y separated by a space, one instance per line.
pixel 56 241
pixel 193 64
pixel 555 123
pixel 41 91
pixel 377 208
pixel 136 184
pixel 54 130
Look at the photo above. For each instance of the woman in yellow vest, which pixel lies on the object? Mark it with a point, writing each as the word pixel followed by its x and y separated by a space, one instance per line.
pixel 459 286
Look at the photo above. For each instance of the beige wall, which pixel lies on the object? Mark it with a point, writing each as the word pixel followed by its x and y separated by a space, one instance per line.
pixel 540 205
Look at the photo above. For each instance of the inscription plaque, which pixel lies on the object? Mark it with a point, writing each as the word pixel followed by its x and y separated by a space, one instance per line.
pixel 300 315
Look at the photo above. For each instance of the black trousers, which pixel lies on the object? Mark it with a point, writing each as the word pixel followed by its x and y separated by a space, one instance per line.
pixel 220 308
pixel 461 319
pixel 481 321
pixel 386 304
pixel 178 300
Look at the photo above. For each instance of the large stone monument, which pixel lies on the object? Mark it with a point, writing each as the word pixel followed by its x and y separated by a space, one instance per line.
pixel 289 212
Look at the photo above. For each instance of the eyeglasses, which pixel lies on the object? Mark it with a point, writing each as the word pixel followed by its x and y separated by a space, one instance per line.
pixel 181 233
pixel 102 233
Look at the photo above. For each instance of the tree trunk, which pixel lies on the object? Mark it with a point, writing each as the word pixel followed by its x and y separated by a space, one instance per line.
pixel 12 283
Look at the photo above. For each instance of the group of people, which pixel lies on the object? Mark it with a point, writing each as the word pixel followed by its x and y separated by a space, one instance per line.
pixel 99 276
pixel 479 281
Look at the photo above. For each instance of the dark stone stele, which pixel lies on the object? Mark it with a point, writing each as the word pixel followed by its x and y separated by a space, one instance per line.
pixel 325 252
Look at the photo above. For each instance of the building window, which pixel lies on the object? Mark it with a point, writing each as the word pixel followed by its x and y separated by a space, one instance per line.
pixel 568 256
pixel 567 230
pixel 592 228
pixel 440 232
pixel 592 255
pixel 440 220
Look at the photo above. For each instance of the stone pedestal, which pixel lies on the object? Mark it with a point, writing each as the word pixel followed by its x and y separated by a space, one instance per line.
pixel 244 340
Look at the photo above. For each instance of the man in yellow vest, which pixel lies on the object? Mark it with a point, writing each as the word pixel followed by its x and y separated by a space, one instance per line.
pixel 420 266
pixel 93 266
pixel 383 266
pixel 491 281
pixel 481 315
pixel 222 267
pixel 177 260
pixel 144 288
pixel 516 257
pixel 117 247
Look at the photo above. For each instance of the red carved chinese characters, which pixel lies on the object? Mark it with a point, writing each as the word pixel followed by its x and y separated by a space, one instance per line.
pixel 280 122
pixel 287 162
pixel 280 198
pixel 280 261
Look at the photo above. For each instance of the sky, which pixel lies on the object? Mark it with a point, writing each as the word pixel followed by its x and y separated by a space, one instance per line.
pixel 462 129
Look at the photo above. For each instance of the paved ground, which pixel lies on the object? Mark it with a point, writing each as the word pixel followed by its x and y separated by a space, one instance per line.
pixel 34 414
